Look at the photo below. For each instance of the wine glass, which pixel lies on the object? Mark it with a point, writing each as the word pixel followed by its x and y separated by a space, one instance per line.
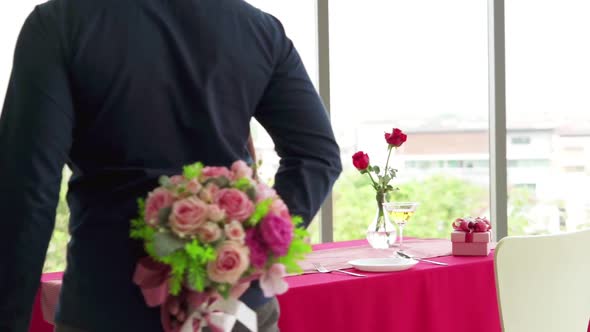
pixel 400 213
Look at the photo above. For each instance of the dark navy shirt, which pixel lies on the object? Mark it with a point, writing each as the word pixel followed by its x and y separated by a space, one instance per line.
pixel 124 91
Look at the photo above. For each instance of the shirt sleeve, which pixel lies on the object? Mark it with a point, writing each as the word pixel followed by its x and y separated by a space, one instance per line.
pixel 293 114
pixel 35 138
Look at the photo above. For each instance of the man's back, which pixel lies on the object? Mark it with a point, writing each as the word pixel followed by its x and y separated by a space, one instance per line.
pixel 125 91
pixel 182 74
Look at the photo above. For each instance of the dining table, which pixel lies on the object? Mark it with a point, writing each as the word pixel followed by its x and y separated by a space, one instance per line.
pixel 459 296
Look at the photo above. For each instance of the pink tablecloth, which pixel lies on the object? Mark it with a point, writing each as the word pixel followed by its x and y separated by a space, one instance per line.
pixel 38 324
pixel 459 297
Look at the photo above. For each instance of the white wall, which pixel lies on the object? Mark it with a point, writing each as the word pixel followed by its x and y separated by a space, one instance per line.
pixel 541 145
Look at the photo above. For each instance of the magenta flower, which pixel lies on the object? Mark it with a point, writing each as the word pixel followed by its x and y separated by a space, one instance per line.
pixel 258 250
pixel 277 232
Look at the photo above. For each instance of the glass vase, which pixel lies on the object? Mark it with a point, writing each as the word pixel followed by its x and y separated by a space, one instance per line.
pixel 381 233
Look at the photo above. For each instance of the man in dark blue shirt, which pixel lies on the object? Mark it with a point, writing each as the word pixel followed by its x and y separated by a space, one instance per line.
pixel 124 91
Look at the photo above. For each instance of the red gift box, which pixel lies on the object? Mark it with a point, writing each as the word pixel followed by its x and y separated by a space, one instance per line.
pixel 471 243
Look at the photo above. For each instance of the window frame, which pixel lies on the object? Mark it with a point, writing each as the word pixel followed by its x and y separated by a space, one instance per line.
pixel 497 114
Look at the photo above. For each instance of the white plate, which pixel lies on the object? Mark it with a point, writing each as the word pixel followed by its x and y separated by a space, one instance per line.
pixel 383 264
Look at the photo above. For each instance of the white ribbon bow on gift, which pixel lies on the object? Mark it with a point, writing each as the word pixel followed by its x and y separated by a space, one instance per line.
pixel 222 315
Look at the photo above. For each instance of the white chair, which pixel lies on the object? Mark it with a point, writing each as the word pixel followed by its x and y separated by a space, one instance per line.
pixel 543 282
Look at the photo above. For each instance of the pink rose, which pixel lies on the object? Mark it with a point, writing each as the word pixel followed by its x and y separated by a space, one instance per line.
pixel 215 213
pixel 157 200
pixel 193 186
pixel 241 170
pixel 235 231
pixel 263 191
pixel 235 203
pixel 188 215
pixel 258 249
pixel 232 260
pixel 215 172
pixel 279 208
pixel 209 232
pixel 208 193
pixel 272 282
pixel 277 233
pixel 177 179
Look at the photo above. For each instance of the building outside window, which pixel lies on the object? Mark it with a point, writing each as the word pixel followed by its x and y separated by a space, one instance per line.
pixel 521 140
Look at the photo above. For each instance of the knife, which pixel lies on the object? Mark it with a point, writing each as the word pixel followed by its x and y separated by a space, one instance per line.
pixel 421 259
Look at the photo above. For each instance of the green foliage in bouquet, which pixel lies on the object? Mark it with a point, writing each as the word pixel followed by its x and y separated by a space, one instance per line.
pixel 298 249
pixel 192 171
pixel 189 259
pixel 260 211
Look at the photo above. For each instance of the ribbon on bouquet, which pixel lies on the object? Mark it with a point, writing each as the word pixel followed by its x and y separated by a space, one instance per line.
pixel 221 316
pixel 152 277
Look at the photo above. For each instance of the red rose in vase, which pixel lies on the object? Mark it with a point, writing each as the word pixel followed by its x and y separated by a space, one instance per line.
pixel 380 180
pixel 360 160
pixel 396 138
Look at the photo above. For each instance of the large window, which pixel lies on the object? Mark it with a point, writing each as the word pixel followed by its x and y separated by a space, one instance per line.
pixel 421 66
pixel 548 79
pixel 300 22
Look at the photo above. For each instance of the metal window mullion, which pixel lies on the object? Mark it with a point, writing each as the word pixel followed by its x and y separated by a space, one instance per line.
pixel 497 119
pixel 323 42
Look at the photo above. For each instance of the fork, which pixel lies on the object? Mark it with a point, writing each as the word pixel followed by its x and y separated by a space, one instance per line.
pixel 323 269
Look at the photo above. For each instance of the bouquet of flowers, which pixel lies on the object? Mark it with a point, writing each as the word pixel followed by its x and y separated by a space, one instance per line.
pixel 208 233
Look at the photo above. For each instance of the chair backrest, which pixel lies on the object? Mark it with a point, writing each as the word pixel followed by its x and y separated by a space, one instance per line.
pixel 543 282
